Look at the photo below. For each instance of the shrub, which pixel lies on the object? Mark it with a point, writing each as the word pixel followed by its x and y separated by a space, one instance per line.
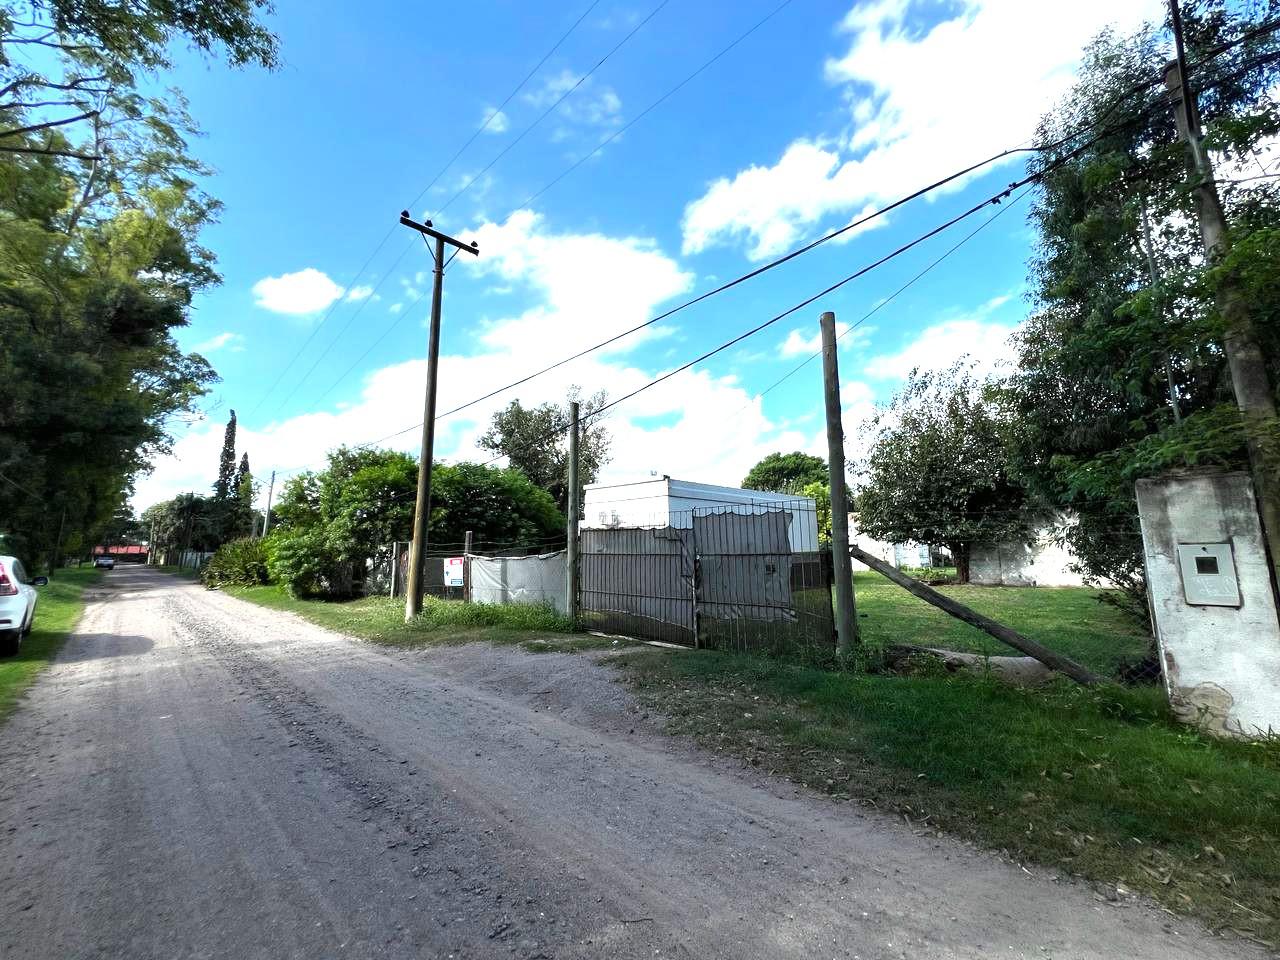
pixel 240 562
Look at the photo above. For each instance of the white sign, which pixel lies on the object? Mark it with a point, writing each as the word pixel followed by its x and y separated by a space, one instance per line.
pixel 454 572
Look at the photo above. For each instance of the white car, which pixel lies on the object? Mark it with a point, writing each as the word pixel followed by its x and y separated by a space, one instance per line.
pixel 17 604
pixel 106 561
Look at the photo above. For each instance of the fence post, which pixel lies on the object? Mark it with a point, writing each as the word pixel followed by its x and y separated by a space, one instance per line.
pixel 395 565
pixel 466 567
pixel 575 504
pixel 842 569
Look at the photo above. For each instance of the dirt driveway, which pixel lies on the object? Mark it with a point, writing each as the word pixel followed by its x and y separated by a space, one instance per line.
pixel 199 777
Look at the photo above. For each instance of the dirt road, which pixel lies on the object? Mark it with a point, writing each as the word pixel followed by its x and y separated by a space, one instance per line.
pixel 198 777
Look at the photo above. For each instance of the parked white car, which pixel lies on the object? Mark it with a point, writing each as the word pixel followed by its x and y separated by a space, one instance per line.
pixel 105 561
pixel 18 598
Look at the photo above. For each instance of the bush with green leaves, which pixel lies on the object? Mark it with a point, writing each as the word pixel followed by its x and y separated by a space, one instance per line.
pixel 240 562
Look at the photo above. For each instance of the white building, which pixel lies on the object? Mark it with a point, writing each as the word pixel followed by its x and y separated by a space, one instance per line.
pixel 665 502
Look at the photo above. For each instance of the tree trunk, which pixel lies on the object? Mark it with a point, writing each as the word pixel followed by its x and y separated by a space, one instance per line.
pixel 960 553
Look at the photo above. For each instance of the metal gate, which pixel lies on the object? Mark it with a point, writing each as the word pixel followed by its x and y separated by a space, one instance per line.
pixel 723 577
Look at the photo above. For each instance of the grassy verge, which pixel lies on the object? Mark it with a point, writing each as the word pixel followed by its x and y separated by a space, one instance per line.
pixel 1097 784
pixel 1070 620
pixel 58 609
pixel 442 622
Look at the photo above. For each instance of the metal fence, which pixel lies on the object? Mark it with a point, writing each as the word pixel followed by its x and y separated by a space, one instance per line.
pixel 739 577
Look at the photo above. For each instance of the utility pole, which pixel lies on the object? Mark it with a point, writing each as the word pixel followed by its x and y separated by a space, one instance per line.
pixel 266 517
pixel 841 564
pixel 575 506
pixel 468 540
pixel 1158 290
pixel 1245 358
pixel 422 505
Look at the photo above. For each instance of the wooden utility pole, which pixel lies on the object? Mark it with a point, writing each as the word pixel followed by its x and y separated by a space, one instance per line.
pixel 468 539
pixel 575 505
pixel 1245 357
pixel 842 568
pixel 1158 289
pixel 266 517
pixel 422 505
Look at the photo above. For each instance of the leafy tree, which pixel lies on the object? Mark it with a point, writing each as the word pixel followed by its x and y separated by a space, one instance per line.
pixel 188 521
pixel 496 505
pixel 786 473
pixel 64 58
pixel 820 493
pixel 330 523
pixel 100 218
pixel 226 482
pixel 937 470
pixel 534 441
pixel 1090 401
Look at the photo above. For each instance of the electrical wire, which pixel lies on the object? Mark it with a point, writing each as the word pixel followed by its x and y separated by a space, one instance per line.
pixel 1004 208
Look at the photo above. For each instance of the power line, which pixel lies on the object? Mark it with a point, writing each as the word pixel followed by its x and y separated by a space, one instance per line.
pixel 861 221
pixel 893 296
pixel 995 198
pixel 551 109
pixel 765 268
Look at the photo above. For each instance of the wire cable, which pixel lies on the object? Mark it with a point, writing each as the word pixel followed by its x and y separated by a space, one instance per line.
pixel 1004 208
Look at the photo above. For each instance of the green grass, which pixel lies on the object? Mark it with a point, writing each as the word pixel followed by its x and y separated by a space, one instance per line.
pixel 1097 783
pixel 442 622
pixel 1069 620
pixel 57 611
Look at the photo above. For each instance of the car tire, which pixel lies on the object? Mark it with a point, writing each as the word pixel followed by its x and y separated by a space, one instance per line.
pixel 10 641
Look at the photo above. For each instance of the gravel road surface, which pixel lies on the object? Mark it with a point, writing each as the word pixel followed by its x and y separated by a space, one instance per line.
pixel 197 777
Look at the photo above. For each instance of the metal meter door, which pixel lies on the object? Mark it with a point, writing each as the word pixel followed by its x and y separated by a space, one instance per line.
pixel 1208 574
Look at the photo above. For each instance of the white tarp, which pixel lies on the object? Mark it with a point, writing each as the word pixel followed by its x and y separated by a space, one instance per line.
pixel 539 579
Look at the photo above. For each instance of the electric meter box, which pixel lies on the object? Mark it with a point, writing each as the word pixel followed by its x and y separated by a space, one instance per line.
pixel 1208 574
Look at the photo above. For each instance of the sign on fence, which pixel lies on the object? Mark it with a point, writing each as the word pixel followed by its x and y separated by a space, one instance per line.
pixel 454 572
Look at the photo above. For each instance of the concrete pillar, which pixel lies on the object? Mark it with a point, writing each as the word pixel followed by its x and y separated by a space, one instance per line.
pixel 1212 602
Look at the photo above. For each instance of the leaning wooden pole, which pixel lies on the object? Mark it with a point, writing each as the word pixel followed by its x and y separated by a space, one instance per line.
pixel 1053 661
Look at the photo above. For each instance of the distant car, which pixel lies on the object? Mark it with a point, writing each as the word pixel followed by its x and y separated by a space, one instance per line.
pixel 107 563
pixel 17 604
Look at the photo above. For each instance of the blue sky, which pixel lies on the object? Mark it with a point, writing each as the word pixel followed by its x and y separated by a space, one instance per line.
pixel 828 110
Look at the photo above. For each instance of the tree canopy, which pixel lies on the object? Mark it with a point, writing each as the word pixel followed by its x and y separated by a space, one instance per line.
pixel 100 257
pixel 331 522
pixel 1125 314
pixel 937 470
pixel 535 442
pixel 787 473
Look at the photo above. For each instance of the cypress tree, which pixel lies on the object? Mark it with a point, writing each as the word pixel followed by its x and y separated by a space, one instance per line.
pixel 224 486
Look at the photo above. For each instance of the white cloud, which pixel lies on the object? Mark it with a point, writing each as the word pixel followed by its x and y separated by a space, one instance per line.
pixel 298 294
pixel 797 344
pixel 587 286
pixel 222 340
pixel 395 308
pixel 495 121
pixel 912 96
pixel 589 105
pixel 359 293
pixel 941 345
